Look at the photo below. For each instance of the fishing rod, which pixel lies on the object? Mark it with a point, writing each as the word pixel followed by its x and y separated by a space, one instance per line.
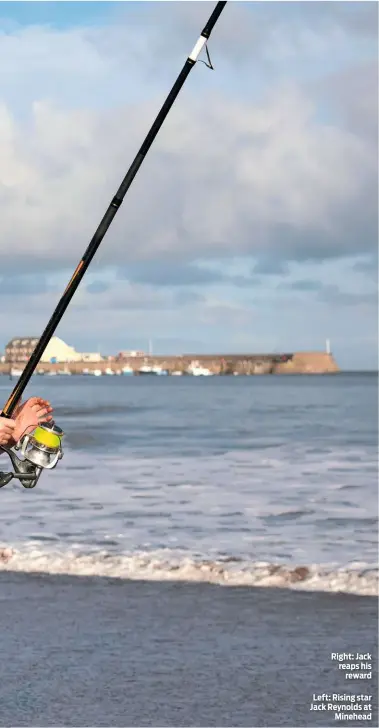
pixel 42 449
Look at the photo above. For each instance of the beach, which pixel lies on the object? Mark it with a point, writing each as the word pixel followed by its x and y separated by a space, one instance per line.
pixel 90 651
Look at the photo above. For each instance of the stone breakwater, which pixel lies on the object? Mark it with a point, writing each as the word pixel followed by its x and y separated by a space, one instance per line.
pixel 226 364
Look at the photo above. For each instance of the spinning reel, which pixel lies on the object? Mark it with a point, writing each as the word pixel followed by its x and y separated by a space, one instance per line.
pixel 40 450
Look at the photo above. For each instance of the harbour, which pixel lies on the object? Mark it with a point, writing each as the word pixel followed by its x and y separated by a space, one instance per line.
pixel 197 365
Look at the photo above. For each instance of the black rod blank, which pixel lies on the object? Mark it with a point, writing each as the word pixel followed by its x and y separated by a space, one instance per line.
pixel 108 217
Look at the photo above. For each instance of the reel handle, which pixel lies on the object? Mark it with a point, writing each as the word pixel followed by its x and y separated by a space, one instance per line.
pixel 28 480
pixel 5 478
pixel 27 473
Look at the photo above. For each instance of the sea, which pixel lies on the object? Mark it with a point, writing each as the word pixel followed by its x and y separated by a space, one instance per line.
pixel 237 481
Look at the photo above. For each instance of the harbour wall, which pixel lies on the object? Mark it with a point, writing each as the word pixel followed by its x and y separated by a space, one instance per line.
pixel 252 364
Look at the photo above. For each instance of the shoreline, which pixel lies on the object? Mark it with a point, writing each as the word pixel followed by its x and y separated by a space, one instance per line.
pixel 156 567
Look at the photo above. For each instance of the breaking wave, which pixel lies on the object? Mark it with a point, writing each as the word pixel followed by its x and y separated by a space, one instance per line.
pixel 167 565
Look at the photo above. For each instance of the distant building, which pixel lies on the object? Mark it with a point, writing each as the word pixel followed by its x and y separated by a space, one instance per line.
pixel 127 354
pixel 93 356
pixel 20 350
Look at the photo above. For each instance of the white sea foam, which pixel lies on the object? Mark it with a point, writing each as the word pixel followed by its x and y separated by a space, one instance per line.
pixel 286 506
pixel 285 481
pixel 166 565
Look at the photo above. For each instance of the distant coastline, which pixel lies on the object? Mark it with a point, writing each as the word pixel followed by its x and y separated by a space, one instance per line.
pixel 216 364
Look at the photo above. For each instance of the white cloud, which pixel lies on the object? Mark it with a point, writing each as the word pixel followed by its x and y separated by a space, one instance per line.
pixel 234 174
pixel 252 162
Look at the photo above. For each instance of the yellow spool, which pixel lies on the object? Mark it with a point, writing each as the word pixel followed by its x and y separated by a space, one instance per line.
pixel 44 437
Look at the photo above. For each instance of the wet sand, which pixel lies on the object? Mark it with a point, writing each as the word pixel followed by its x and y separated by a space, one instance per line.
pixel 84 651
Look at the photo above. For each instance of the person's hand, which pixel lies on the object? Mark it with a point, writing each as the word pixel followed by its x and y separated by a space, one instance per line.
pixel 7 428
pixel 30 414
pixel 38 405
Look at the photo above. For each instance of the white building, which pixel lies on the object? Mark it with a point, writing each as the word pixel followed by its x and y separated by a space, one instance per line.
pixel 58 351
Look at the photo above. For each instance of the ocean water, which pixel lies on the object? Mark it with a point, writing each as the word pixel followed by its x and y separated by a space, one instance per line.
pixel 263 481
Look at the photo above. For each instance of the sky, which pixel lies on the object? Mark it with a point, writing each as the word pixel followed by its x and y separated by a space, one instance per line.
pixel 252 225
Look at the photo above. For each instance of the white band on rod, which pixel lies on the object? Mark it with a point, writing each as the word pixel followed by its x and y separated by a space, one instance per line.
pixel 198 48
